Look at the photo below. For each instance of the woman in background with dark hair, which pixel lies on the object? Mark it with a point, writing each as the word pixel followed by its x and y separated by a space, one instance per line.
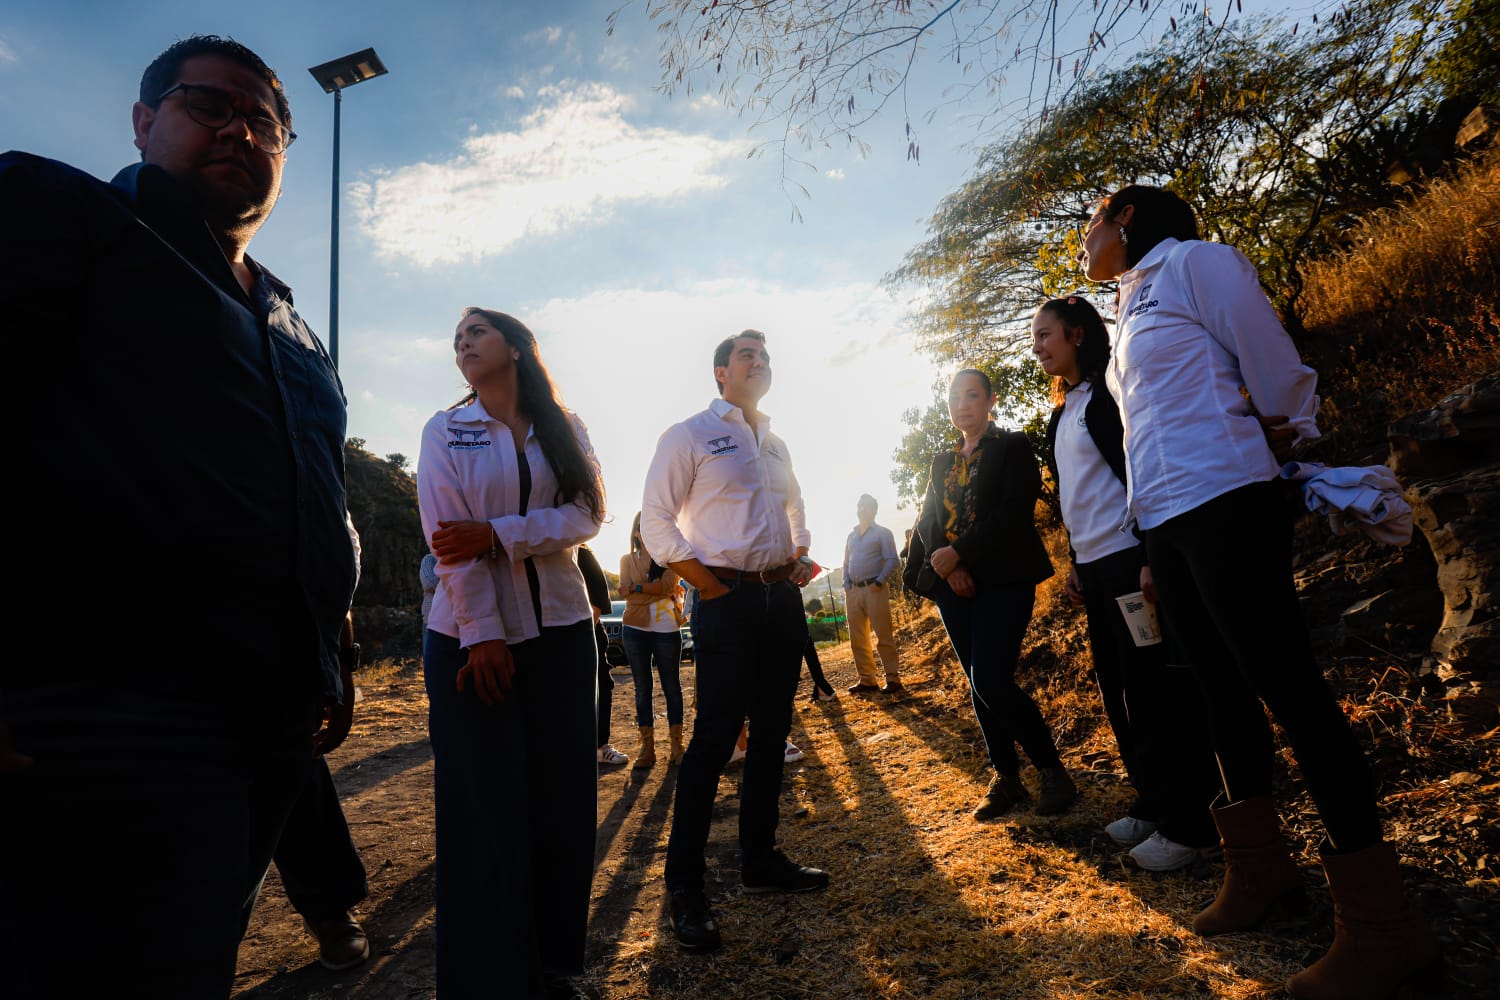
pixel 652 630
pixel 977 535
pixel 508 487
pixel 1199 356
pixel 1154 709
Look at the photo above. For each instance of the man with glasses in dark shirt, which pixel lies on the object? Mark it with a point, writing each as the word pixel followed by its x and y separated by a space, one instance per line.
pixel 182 524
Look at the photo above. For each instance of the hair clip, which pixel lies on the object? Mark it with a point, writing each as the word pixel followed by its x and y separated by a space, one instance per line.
pixel 1072 300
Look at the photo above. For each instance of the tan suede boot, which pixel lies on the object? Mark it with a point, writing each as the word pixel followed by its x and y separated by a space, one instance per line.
pixel 677 748
pixel 1259 873
pixel 647 757
pixel 1380 941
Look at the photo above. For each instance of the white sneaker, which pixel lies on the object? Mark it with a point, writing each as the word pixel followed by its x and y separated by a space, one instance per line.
pixel 1158 854
pixel 738 755
pixel 792 753
pixel 609 755
pixel 1127 831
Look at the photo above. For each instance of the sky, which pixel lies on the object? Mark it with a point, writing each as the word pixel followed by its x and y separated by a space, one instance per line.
pixel 518 158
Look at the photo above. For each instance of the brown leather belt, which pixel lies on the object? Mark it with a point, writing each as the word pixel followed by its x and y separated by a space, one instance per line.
pixel 773 575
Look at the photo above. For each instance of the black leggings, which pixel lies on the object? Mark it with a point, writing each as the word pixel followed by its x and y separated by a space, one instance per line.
pixel 1224 574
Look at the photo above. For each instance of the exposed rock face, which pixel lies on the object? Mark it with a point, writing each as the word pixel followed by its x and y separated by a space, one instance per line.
pixel 383 504
pixel 1449 459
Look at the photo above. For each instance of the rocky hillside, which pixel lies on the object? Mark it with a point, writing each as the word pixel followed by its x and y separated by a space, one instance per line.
pixel 383 504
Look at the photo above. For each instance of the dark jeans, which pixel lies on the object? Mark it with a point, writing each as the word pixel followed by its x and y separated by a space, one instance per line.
pixel 514 786
pixel 133 846
pixel 986 632
pixel 749 645
pixel 1224 573
pixel 320 868
pixel 1154 708
pixel 606 706
pixel 641 646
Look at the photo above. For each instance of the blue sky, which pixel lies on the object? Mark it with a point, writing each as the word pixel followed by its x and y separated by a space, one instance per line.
pixel 517 158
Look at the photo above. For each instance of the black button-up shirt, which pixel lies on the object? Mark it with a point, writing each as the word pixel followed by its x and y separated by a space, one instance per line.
pixel 177 448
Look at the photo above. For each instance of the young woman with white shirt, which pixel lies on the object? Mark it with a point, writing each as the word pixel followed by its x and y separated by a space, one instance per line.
pixel 652 630
pixel 1154 709
pixel 1200 363
pixel 508 486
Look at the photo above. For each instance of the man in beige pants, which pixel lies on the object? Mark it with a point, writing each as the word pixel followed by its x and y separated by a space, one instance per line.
pixel 870 560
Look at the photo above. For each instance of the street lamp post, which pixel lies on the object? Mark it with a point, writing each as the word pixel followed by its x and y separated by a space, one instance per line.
pixel 334 77
pixel 838 635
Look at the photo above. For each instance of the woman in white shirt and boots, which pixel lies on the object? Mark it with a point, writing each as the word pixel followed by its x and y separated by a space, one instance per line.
pixel 508 486
pixel 1199 355
pixel 1154 708
pixel 652 629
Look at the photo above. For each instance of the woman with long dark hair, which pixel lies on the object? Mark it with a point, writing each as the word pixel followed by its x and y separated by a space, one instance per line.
pixel 508 487
pixel 652 630
pixel 1154 709
pixel 977 540
pixel 1199 356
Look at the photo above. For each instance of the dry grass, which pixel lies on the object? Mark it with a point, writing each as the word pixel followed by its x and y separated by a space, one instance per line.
pixel 1410 312
pixel 925 901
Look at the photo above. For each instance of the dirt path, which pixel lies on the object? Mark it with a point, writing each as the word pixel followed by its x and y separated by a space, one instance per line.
pixel 924 902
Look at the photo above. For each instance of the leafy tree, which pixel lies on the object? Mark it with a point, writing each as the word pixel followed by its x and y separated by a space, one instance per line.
pixel 813 606
pixel 398 461
pixel 1241 132
pixel 357 443
pixel 1467 63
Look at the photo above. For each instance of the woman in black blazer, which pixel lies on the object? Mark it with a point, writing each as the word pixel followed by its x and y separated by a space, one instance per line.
pixel 975 552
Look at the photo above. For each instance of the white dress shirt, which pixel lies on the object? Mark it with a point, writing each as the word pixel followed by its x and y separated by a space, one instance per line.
pixel 1194 337
pixel 716 493
pixel 468 470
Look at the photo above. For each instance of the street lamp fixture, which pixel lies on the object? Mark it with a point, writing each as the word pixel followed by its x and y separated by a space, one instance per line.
pixel 335 77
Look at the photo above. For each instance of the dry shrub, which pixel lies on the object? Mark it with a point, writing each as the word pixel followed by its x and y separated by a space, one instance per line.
pixel 1412 265
pixel 1409 313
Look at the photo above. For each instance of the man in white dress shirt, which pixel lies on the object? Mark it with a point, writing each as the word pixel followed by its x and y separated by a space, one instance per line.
pixel 870 561
pixel 723 509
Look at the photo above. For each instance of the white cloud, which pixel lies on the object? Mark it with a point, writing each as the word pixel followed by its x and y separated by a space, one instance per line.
pixel 7 54
pixel 568 163
pixel 835 174
pixel 515 92
pixel 550 35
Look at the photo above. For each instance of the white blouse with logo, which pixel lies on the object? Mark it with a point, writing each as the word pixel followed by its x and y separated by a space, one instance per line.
pixel 468 470
pixel 1198 351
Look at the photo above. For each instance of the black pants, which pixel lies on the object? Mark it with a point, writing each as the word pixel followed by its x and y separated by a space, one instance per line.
pixel 749 646
pixel 814 667
pixel 1224 573
pixel 320 868
pixel 605 708
pixel 141 832
pixel 515 791
pixel 1154 708
pixel 986 632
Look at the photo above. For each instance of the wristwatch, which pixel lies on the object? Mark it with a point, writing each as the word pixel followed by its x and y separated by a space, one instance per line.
pixel 806 560
pixel 349 657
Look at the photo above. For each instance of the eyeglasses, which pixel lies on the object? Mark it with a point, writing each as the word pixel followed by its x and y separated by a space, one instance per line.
pixel 212 108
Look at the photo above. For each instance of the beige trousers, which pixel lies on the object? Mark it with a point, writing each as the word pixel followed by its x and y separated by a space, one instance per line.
pixel 870 607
